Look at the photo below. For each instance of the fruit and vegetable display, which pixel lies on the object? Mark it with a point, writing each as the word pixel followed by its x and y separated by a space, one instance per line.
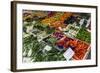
pixel 49 35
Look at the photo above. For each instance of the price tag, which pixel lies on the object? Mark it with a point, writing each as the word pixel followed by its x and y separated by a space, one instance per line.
pixel 47 47
pixel 68 54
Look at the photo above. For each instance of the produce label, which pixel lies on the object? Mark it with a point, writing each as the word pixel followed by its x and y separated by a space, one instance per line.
pixel 68 54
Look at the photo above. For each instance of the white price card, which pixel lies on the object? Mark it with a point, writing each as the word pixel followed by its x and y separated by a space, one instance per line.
pixel 68 54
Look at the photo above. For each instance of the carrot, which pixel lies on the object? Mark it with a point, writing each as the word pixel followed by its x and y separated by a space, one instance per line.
pixel 75 57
